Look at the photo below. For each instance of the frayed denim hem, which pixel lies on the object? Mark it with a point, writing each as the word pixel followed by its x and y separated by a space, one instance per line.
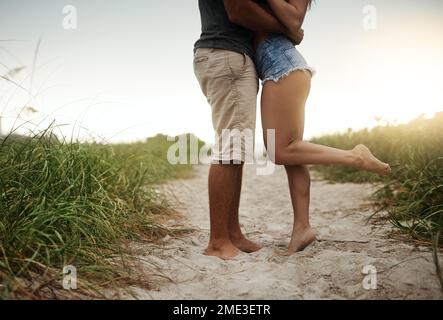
pixel 284 75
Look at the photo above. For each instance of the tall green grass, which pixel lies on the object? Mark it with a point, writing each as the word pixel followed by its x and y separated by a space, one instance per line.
pixel 67 203
pixel 413 194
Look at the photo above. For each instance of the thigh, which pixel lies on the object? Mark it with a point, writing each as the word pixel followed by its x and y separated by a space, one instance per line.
pixel 230 84
pixel 283 107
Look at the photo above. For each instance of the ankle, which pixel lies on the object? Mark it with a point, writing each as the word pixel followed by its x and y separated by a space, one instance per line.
pixel 236 236
pixel 356 158
pixel 217 243
pixel 301 227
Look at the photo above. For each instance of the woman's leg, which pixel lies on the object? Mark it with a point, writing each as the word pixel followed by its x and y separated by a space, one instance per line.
pixel 283 109
pixel 299 188
pixel 298 175
pixel 283 106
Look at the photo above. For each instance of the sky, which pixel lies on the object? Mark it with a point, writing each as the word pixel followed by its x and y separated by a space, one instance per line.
pixel 126 72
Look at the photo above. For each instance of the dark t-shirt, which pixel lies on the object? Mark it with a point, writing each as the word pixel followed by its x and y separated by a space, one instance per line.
pixel 218 32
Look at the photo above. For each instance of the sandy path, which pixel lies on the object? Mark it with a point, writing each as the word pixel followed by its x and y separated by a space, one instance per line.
pixel 329 269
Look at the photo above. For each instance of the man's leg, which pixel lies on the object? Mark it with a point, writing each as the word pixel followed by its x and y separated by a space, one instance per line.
pixel 229 81
pixel 235 233
pixel 223 181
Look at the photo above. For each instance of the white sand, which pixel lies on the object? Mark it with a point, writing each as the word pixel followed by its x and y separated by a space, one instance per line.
pixel 331 268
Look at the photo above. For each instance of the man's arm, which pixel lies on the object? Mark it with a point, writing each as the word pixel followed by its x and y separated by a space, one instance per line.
pixel 291 13
pixel 252 16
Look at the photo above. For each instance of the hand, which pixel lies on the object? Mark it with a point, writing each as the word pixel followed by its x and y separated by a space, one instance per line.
pixel 296 37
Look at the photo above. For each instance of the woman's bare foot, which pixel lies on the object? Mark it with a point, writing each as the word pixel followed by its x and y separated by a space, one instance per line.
pixel 224 250
pixel 367 161
pixel 246 245
pixel 301 239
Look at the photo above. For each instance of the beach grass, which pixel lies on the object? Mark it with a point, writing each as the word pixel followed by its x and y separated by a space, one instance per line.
pixel 67 203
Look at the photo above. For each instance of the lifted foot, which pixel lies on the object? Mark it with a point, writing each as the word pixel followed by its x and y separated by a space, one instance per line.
pixel 367 161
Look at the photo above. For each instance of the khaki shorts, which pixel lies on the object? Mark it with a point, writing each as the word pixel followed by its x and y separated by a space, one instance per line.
pixel 230 83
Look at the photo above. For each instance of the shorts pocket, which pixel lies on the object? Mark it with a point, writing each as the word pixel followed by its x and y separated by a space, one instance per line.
pixel 237 64
pixel 209 66
pixel 200 57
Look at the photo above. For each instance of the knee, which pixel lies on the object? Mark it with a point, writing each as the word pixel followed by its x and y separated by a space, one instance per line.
pixel 279 158
pixel 288 154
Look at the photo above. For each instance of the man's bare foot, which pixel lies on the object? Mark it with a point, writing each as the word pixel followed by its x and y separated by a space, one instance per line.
pixel 367 161
pixel 246 245
pixel 224 250
pixel 301 239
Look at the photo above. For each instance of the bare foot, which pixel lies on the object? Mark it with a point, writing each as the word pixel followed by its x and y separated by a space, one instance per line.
pixel 301 239
pixel 225 250
pixel 367 161
pixel 246 245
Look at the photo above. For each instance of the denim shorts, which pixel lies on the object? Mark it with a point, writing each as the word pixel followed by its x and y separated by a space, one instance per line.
pixel 276 57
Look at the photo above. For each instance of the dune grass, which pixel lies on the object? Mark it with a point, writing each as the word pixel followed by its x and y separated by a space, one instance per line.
pixel 413 195
pixel 67 203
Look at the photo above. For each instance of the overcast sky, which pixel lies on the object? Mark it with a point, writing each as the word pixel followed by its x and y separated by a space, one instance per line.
pixel 126 72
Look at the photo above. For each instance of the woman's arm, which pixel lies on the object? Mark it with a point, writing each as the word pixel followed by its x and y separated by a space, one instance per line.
pixel 250 15
pixel 291 13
